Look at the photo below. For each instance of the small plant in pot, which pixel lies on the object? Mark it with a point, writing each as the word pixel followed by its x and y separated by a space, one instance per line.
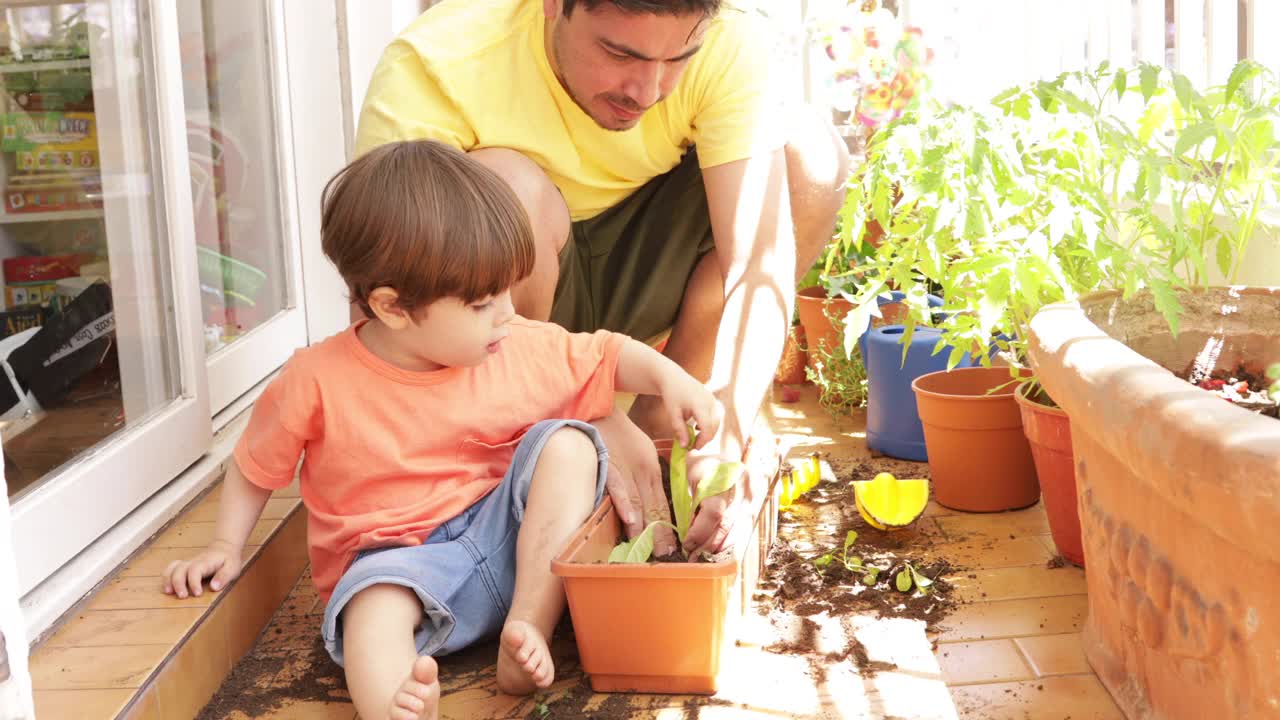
pixel 660 625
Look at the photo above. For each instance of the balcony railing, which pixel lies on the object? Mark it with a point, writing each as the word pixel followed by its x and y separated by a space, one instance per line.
pixel 985 46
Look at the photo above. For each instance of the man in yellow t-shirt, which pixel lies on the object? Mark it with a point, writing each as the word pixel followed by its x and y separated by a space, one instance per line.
pixel 667 188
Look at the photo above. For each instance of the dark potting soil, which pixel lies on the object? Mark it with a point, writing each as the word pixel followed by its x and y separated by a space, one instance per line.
pixel 793 584
pixel 250 690
pixel 1241 387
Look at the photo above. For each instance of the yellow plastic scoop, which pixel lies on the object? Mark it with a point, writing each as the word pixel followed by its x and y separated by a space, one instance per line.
pixel 887 503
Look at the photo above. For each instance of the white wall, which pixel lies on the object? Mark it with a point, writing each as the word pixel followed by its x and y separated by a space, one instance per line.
pixel 366 28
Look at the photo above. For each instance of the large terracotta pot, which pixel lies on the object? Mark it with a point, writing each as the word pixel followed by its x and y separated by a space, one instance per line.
pixel 1179 499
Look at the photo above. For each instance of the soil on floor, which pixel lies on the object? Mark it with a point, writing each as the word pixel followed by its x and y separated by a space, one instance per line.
pixel 795 587
pixel 255 687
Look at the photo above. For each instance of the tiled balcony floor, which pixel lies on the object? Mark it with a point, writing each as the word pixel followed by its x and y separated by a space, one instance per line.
pixel 1010 647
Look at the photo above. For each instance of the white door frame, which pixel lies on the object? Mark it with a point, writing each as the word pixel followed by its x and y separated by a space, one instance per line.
pixel 15 678
pixel 236 368
pixel 313 62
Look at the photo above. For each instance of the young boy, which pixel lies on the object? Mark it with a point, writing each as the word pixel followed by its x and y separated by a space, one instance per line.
pixel 437 487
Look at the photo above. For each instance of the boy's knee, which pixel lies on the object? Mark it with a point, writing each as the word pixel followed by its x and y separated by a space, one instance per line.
pixel 547 210
pixel 570 446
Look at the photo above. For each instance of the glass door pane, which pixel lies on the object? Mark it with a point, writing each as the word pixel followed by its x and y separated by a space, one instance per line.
pixel 99 409
pixel 245 242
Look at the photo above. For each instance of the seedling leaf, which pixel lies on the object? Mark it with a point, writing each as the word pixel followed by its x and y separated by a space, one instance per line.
pixel 725 477
pixel 850 539
pixel 681 501
pixel 903 580
pixel 637 550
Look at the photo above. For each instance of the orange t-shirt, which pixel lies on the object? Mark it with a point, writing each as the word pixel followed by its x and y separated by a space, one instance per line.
pixel 393 454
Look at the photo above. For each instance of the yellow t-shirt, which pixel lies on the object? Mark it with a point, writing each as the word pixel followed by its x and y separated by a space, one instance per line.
pixel 474 74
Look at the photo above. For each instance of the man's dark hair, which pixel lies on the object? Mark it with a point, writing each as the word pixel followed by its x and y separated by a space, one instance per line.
pixel 652 7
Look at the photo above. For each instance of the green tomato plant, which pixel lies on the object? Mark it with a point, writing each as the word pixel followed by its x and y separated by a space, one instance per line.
pixel 1124 179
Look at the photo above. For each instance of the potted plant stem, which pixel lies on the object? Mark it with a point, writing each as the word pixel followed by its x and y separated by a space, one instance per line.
pixel 662 626
pixel 1178 501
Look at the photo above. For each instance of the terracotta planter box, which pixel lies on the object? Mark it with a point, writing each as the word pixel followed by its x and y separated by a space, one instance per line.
pixel 1179 500
pixel 662 627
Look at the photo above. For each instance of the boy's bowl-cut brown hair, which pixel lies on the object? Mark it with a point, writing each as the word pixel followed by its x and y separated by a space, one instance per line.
pixel 425 220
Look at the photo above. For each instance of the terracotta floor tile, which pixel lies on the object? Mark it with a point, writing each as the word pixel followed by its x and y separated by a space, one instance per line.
pixel 111 628
pixel 1054 654
pixel 144 593
pixel 153 561
pixel 1014 583
pixel 1018 523
pixel 979 552
pixel 74 668
pixel 276 508
pixel 80 704
pixel 198 535
pixel 1079 697
pixel 984 661
pixel 1012 618
pixel 933 509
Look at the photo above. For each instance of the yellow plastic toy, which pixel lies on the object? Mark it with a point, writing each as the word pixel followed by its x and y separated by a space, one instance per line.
pixel 887 503
pixel 800 481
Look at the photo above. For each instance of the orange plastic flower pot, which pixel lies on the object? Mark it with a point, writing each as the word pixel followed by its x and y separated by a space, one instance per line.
pixel 979 456
pixel 660 627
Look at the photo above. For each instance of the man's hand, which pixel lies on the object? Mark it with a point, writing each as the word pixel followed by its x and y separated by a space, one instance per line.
pixel 715 518
pixel 634 481
pixel 186 577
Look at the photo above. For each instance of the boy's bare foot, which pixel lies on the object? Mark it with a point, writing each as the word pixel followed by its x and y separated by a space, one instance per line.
pixel 419 696
pixel 524 661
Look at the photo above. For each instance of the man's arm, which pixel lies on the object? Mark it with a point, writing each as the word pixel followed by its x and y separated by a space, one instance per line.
pixel 755 246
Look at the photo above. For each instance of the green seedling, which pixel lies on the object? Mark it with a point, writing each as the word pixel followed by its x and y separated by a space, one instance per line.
pixel 852 563
pixel 683 503
pixel 1273 373
pixel 542 711
pixel 909 577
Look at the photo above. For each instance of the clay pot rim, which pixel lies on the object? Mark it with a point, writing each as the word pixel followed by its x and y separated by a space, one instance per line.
pixel 1001 396
pixel 1020 395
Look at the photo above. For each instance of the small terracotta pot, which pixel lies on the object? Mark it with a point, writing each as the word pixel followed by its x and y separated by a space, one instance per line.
pixel 794 358
pixel 662 627
pixel 822 332
pixel 1049 430
pixel 978 455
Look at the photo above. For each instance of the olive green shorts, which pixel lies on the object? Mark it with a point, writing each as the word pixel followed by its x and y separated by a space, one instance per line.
pixel 626 269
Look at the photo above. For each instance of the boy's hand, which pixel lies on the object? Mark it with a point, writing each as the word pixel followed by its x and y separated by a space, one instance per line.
pixel 186 577
pixel 687 399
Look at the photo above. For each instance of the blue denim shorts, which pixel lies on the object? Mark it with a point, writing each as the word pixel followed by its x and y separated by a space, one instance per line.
pixel 465 573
